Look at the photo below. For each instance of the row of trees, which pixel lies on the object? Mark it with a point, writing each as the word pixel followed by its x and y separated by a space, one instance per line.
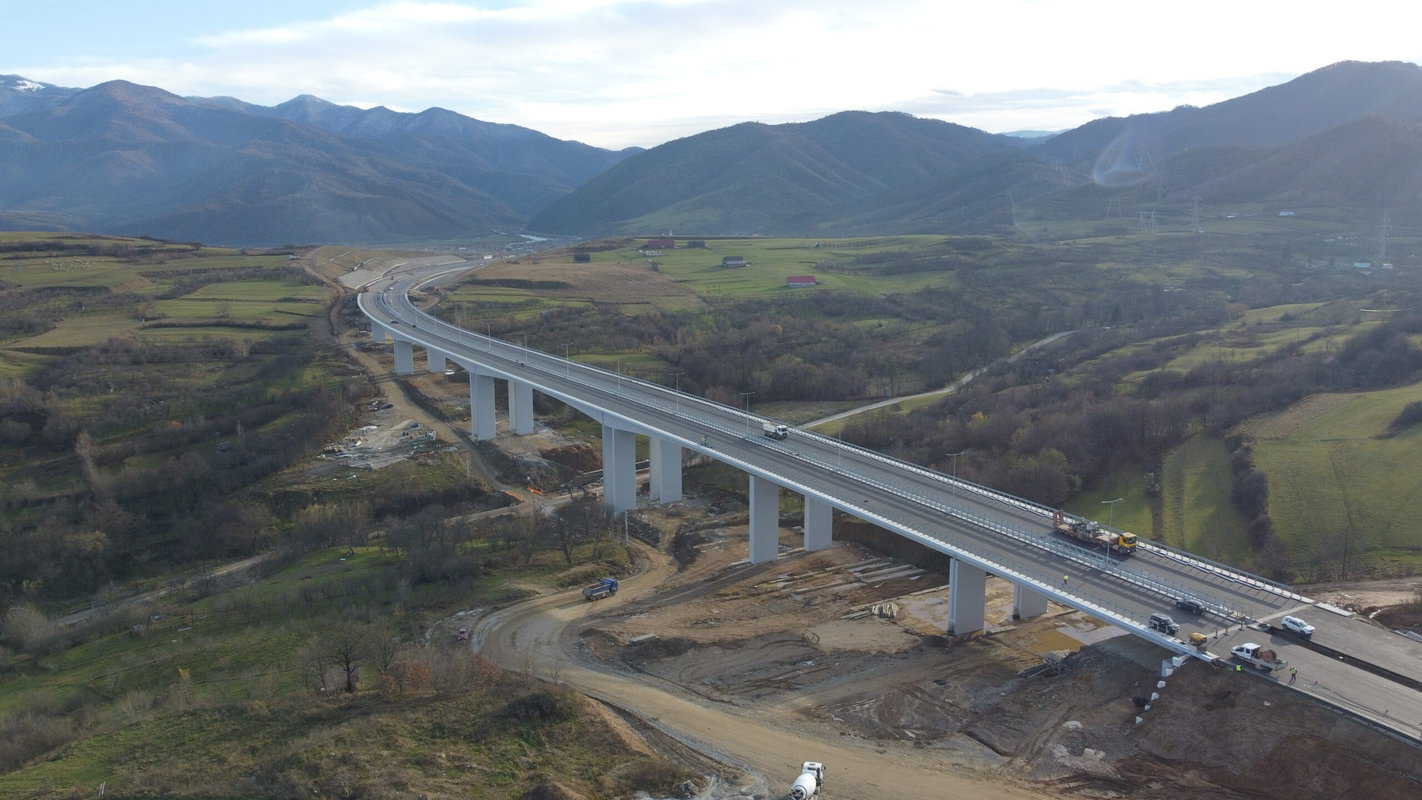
pixel 1032 433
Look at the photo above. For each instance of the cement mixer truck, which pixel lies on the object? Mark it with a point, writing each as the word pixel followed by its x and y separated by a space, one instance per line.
pixel 807 786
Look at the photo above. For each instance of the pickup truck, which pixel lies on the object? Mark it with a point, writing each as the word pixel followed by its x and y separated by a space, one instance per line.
pixel 1258 656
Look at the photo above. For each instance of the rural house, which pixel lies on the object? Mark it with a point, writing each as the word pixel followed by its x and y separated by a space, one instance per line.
pixel 797 281
pixel 734 261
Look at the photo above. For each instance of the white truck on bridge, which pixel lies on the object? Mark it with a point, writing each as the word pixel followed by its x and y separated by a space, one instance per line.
pixel 1259 656
pixel 773 431
pixel 807 786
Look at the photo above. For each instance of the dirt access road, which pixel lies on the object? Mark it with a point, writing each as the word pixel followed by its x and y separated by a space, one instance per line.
pixel 533 636
pixel 955 386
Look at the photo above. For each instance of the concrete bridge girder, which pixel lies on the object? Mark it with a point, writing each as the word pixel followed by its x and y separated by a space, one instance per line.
pixel 1053 592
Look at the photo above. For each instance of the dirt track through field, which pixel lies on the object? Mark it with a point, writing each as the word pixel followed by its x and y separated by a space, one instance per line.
pixel 532 635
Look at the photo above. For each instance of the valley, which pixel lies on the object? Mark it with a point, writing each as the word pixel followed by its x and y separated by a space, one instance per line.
pixel 806 450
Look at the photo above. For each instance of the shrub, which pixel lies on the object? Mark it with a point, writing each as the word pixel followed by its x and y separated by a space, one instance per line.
pixel 544 705
pixel 26 627
pixel 1410 415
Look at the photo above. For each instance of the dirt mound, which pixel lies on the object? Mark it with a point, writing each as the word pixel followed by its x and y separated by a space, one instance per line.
pixel 552 790
pixel 655 649
pixel 574 458
pixel 684 547
pixel 1260 739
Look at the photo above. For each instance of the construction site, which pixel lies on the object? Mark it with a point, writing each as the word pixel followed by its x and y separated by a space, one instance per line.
pixel 847 645
pixel 838 660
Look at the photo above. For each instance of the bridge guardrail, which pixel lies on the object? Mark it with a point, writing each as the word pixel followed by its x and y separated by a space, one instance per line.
pixel 1049 544
pixel 1082 556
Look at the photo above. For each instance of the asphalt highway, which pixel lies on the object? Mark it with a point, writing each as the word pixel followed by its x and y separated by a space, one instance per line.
pixel 1007 536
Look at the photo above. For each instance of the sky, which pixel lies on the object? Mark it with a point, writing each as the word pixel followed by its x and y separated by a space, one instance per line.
pixel 615 73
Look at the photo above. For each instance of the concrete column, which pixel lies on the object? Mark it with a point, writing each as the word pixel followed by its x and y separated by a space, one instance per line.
pixel 764 520
pixel 434 360
pixel 619 469
pixel 482 425
pixel 1027 603
pixel 666 470
pixel 520 408
pixel 819 524
pixel 967 598
pixel 404 357
pixel 377 333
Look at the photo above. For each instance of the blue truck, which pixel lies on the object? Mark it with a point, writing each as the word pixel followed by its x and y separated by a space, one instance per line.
pixel 606 587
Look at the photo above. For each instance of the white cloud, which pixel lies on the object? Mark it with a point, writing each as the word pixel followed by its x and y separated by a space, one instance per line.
pixel 618 72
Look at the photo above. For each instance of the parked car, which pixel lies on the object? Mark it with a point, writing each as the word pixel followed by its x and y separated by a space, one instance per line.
pixel 1297 627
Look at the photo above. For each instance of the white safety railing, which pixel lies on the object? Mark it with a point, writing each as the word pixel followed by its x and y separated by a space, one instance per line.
pixel 617 385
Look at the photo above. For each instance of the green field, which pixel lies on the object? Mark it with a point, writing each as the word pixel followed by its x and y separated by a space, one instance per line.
pixel 1336 483
pixel 771 261
pixel 84 299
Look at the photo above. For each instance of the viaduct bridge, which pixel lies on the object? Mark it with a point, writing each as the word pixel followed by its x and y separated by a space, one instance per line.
pixel 981 530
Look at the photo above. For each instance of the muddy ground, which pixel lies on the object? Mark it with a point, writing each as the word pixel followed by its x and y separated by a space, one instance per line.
pixel 849 644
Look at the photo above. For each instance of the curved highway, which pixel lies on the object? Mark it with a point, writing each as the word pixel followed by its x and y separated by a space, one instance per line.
pixel 1005 535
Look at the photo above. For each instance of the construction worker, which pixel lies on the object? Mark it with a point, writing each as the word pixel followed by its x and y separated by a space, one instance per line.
pixel 1065 578
pixel 1293 675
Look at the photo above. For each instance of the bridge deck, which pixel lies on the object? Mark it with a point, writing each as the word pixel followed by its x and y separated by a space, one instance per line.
pixel 1004 534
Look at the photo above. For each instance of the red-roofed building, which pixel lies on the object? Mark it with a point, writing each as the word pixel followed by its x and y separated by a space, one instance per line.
pixel 660 244
pixel 797 281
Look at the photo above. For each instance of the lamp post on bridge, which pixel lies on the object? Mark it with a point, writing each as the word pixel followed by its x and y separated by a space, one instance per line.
pixel 1110 512
pixel 745 403
pixel 1110 508
pixel 676 387
pixel 954 456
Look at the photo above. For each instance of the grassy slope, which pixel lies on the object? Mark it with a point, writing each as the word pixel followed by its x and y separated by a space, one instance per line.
pixel 242 720
pixel 263 301
pixel 1330 475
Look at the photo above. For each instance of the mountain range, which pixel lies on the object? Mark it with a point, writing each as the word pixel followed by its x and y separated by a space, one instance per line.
pixel 124 158
pixel 1347 134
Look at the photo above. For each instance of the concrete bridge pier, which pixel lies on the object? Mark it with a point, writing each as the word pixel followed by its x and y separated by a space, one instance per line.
pixel 1027 603
pixel 764 520
pixel 520 408
pixel 619 469
pixel 434 360
pixel 666 470
pixel 967 598
pixel 404 357
pixel 819 524
pixel 377 333
pixel 482 425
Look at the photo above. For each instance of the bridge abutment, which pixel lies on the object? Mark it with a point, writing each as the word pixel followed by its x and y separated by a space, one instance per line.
pixel 764 520
pixel 404 357
pixel 1027 603
pixel 666 470
pixel 819 524
pixel 482 423
pixel 434 360
pixel 520 408
pixel 619 469
pixel 967 597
